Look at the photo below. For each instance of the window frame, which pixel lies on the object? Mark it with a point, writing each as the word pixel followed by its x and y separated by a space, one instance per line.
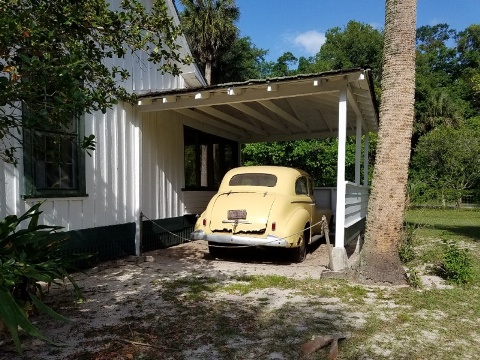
pixel 210 140
pixel 298 181
pixel 30 186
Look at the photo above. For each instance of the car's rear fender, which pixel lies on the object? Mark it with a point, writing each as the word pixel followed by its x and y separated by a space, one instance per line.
pixel 199 222
pixel 293 228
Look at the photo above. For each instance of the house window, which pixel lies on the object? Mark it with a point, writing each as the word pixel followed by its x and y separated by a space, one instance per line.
pixel 207 159
pixel 54 163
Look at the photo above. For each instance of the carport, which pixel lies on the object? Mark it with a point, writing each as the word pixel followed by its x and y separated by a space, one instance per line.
pixel 329 104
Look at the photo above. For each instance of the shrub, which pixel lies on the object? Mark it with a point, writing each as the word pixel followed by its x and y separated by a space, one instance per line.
pixel 413 278
pixel 457 266
pixel 405 248
pixel 27 257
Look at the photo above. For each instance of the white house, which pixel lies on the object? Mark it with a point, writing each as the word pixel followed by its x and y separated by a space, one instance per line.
pixel 162 158
pixel 103 192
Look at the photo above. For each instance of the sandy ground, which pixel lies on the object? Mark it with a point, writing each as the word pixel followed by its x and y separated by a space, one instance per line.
pixel 126 296
pixel 114 289
pixel 194 256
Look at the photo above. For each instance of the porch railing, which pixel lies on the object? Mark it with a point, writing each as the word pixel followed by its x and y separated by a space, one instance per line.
pixel 356 201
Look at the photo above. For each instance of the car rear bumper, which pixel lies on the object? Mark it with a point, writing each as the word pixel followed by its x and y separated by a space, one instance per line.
pixel 270 240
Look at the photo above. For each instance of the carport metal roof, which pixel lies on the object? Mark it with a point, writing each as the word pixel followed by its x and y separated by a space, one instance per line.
pixel 287 108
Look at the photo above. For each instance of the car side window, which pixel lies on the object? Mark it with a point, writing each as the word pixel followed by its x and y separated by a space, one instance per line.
pixel 301 186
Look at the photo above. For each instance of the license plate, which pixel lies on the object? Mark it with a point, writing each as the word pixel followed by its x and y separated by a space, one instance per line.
pixel 237 214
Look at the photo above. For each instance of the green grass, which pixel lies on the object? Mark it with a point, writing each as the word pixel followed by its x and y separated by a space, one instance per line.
pixel 458 224
pixel 433 226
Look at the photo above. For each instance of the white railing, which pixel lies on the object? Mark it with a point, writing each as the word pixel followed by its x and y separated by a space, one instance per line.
pixel 326 197
pixel 356 201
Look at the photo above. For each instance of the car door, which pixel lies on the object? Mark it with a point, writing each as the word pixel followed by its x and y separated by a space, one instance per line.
pixel 304 195
pixel 316 218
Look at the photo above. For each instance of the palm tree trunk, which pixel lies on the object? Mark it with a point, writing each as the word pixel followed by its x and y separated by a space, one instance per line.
pixel 208 72
pixel 379 260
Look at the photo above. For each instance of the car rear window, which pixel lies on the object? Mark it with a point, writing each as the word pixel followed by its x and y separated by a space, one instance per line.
pixel 253 179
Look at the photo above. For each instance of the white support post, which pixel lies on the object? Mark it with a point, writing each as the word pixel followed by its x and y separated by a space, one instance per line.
pixel 339 253
pixel 138 151
pixel 358 150
pixel 365 159
pixel 341 185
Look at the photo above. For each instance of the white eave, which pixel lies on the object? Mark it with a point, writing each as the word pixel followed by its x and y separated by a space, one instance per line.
pixel 290 108
pixel 190 73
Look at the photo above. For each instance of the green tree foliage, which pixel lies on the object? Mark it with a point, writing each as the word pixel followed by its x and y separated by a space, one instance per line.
pixel 242 61
pixel 54 55
pixel 210 27
pixel 438 97
pixel 447 161
pixel 356 45
pixel 468 45
pixel 283 65
pixel 317 157
pixel 446 113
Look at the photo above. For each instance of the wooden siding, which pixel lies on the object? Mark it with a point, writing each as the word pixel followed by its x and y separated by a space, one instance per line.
pixel 162 165
pixel 326 197
pixel 112 178
pixel 10 187
pixel 195 202
pixel 163 175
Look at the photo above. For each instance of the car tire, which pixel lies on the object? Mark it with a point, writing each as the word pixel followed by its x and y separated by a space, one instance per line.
pixel 300 252
pixel 214 250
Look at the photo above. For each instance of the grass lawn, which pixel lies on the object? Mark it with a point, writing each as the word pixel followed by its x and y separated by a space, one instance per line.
pixel 431 227
pixel 458 225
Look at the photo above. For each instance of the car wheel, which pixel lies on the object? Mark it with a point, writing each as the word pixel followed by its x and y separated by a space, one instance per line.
pixel 300 252
pixel 214 250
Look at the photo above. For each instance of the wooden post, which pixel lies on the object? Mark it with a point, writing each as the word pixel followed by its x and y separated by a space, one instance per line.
pixel 326 232
pixel 141 233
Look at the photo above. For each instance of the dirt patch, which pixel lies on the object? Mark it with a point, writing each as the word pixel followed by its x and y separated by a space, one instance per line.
pixel 123 296
pixel 181 303
pixel 194 256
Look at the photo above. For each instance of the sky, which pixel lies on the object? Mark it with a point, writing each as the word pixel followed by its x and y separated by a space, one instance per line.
pixel 299 26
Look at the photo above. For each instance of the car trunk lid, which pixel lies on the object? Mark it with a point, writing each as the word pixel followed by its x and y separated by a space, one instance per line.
pixel 241 212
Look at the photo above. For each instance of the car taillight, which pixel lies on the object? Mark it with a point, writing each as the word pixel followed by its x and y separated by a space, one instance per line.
pixel 204 222
pixel 274 226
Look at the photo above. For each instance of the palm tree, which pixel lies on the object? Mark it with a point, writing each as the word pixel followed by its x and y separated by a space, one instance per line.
pixel 210 27
pixel 379 259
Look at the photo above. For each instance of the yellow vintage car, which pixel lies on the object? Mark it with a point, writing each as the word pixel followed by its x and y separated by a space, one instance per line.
pixel 268 206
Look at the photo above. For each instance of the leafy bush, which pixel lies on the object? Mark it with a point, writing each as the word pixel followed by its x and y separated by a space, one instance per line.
pixel 405 248
pixel 413 278
pixel 27 257
pixel 457 266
